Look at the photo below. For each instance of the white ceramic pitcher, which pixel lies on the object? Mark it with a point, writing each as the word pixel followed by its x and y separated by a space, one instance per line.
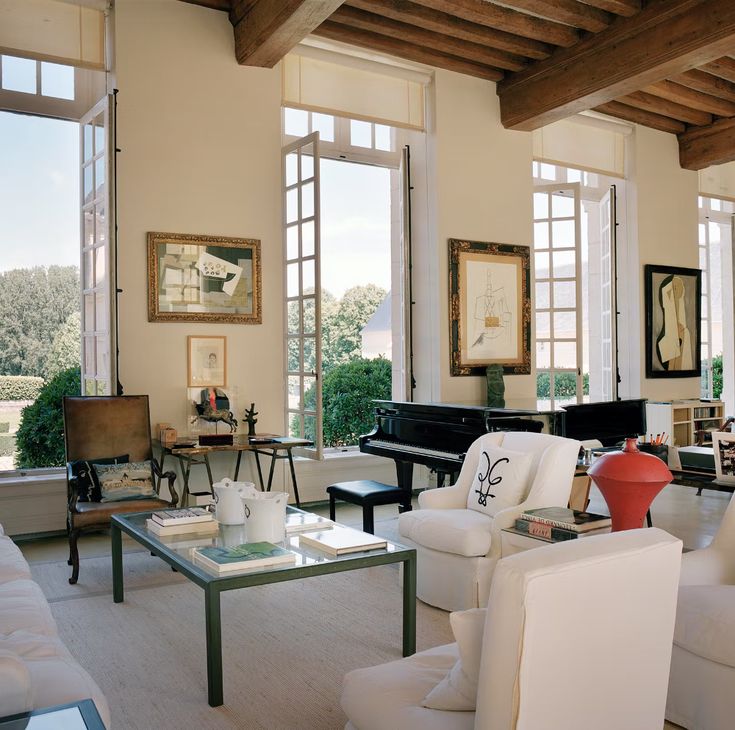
pixel 229 508
pixel 265 515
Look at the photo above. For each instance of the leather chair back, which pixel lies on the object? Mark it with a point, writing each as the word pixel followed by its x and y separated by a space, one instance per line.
pixel 101 426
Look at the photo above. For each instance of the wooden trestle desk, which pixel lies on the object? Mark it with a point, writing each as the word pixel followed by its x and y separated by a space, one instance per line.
pixel 280 448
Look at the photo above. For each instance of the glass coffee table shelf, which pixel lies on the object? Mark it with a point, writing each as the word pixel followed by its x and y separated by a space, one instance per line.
pixel 80 715
pixel 177 551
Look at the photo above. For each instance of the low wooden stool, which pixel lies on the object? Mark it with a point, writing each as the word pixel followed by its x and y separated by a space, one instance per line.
pixel 367 494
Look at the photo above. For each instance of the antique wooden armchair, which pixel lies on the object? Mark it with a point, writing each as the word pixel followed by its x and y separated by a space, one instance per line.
pixel 101 427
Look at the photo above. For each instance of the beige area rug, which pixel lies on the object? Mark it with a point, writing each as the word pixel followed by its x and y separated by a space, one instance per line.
pixel 286 646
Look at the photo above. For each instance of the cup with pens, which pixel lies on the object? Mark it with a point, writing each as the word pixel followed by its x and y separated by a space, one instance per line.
pixel 655 444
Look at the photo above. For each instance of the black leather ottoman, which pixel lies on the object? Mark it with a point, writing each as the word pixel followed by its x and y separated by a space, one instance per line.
pixel 367 494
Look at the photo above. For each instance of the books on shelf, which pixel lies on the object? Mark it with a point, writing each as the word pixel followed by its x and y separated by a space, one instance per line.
pixel 305 522
pixel 211 527
pixel 341 540
pixel 554 534
pixel 247 555
pixel 184 516
pixel 567 519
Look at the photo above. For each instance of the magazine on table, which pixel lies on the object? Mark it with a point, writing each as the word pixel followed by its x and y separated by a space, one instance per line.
pixel 306 522
pixel 210 527
pixel 341 540
pixel 247 555
pixel 184 516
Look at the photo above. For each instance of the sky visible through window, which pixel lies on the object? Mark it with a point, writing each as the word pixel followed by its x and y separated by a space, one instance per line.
pixel 39 191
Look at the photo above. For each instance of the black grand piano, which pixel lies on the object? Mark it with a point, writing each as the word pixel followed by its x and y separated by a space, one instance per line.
pixel 438 435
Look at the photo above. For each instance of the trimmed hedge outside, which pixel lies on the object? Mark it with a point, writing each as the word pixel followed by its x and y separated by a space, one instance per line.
pixel 20 387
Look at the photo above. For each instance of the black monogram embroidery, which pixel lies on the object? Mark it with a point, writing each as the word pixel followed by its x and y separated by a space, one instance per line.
pixel 486 481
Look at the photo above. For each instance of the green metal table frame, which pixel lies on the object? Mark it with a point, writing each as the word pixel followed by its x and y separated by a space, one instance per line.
pixel 213 586
pixel 87 711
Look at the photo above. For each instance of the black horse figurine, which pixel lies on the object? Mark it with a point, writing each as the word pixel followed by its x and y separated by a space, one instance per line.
pixel 207 413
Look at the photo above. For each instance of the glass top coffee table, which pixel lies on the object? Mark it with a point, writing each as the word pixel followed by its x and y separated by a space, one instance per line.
pixel 177 551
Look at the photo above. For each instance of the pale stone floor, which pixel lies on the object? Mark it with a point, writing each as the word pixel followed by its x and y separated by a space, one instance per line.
pixel 677 510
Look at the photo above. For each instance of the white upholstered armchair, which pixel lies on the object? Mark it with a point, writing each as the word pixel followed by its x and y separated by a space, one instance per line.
pixel 702 676
pixel 457 538
pixel 576 635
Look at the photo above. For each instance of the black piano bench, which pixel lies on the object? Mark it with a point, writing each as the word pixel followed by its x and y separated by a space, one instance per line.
pixel 367 494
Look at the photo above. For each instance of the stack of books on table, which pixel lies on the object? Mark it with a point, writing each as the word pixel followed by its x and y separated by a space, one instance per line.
pixel 191 520
pixel 560 523
pixel 239 557
pixel 306 522
pixel 341 540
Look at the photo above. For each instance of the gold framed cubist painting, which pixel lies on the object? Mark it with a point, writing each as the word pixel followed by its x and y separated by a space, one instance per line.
pixel 489 307
pixel 195 278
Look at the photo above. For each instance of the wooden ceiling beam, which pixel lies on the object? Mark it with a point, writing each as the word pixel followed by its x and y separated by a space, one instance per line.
pixel 409 51
pixel 359 19
pixel 668 37
pixel 713 145
pixel 268 29
pixel 723 67
pixel 511 21
pixel 447 24
pixel 619 7
pixel 212 4
pixel 570 12
pixel 639 116
pixel 650 103
pixel 707 83
pixel 692 98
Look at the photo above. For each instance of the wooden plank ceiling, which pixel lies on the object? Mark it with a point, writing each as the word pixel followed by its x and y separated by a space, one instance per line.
pixel 665 64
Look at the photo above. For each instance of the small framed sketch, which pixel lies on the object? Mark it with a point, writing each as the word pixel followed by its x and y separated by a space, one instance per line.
pixel 723 444
pixel 489 307
pixel 207 361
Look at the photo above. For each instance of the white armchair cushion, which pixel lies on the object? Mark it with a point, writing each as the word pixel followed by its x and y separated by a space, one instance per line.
pixel 458 690
pixel 705 622
pixel 458 531
pixel 500 479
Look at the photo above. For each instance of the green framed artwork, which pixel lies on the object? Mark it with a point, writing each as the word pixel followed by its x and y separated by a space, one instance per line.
pixel 489 307
pixel 194 278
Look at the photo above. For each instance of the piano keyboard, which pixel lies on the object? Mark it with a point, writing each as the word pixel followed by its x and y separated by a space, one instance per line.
pixel 410 449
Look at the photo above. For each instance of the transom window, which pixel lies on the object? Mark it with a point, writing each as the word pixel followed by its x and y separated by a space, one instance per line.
pixel 40 78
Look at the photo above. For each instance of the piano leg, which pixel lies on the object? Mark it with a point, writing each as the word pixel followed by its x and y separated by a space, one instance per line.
pixel 404 474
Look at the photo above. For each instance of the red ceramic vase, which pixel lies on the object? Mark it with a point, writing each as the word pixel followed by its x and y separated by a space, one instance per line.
pixel 629 481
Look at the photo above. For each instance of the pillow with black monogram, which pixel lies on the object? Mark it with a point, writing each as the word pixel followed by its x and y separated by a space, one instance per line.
pixel 87 481
pixel 501 480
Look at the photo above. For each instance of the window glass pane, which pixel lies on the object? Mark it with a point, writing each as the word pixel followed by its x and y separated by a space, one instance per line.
pixel 294 354
pixel 562 233
pixel 99 175
pixel 101 323
pixel 292 168
pixel 564 294
pixel 292 205
pixel 294 426
pixel 296 122
pixel 57 80
pixel 565 325
pixel 541 265
pixel 307 272
pixel 543 324
pixel 294 392
pixel 100 265
pixel 100 224
pixel 574 176
pixel 562 206
pixel 89 366
pixel 292 280
pixel 88 228
pixel 88 269
pixel 564 263
pixel 310 427
pixel 102 388
pixel 88 142
pixel 541 235
pixel 309 355
pixel 294 317
pixel 90 387
pixel 88 183
pixel 19 74
pixel 324 124
pixel 307 200
pixel 310 392
pixel 360 134
pixel 307 238
pixel 307 163
pixel 540 205
pixel 103 355
pixel 542 295
pixel 292 242
pixel 565 354
pixel 543 354
pixel 99 134
pixel 382 137
pixel 548 172
pixel 309 316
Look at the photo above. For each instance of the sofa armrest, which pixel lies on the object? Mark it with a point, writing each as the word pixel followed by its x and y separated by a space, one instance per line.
pixel 454 497
pixel 15 684
pixel 708 566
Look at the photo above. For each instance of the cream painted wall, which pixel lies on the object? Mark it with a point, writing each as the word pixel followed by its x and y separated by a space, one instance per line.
pixel 483 192
pixel 200 140
pixel 664 224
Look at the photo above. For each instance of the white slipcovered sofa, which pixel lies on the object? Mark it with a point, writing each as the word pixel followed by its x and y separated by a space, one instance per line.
pixel 36 669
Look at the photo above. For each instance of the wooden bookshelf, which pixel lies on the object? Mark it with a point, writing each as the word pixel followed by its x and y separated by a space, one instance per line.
pixel 681 419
